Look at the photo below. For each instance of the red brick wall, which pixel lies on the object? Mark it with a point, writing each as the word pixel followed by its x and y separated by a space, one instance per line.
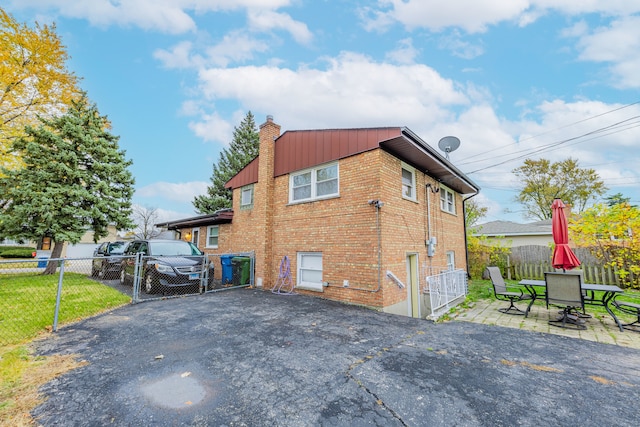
pixel 344 228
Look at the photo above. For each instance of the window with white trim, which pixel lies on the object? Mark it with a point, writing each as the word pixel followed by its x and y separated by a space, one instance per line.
pixel 314 184
pixel 246 197
pixel 408 182
pixel 447 200
pixel 451 260
pixel 309 271
pixel 213 232
pixel 195 236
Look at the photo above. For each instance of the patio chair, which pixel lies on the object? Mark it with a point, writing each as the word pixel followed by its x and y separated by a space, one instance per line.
pixel 629 304
pixel 564 290
pixel 504 292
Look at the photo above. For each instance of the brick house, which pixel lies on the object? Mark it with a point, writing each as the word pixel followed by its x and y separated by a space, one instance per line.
pixel 354 211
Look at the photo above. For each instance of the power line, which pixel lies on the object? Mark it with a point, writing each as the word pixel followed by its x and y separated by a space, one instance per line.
pixel 552 130
pixel 624 125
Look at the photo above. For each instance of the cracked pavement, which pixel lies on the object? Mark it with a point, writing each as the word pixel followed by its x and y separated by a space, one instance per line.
pixel 246 357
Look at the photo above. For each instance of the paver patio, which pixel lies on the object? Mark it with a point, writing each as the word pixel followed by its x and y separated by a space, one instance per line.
pixel 600 328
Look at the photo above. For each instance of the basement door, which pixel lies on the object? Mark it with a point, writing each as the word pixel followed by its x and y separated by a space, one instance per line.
pixel 413 285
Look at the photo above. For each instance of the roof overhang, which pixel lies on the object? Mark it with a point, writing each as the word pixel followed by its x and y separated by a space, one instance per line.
pixel 223 216
pixel 413 150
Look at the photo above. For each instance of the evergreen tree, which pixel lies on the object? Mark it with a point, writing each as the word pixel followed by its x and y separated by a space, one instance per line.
pixel 243 148
pixel 75 179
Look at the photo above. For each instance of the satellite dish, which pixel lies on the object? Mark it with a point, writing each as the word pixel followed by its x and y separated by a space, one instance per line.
pixel 449 144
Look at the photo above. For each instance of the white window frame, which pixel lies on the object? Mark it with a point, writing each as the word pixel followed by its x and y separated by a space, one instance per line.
pixel 209 235
pixel 195 236
pixel 412 171
pixel 451 260
pixel 311 286
pixel 314 184
pixel 447 200
pixel 246 188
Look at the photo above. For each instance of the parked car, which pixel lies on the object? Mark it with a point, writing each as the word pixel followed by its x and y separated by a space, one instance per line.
pixel 167 265
pixel 107 259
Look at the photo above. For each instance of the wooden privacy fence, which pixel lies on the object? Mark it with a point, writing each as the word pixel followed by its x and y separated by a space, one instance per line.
pixel 591 273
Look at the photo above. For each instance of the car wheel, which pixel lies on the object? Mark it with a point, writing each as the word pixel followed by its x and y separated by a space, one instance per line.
pixel 104 273
pixel 149 285
pixel 123 277
pixel 94 272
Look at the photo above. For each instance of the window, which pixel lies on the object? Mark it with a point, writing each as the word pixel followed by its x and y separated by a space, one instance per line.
pixel 309 271
pixel 246 197
pixel 195 236
pixel 451 260
pixel 212 236
pixel 317 183
pixel 408 182
pixel 447 200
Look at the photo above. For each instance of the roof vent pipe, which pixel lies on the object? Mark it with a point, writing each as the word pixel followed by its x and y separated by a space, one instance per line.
pixel 269 118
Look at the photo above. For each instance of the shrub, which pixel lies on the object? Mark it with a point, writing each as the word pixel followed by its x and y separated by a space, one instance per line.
pixel 16 252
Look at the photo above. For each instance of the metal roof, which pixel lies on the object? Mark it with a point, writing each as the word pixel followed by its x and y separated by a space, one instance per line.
pixel 508 228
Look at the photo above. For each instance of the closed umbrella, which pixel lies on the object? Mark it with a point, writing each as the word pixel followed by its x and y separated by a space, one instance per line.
pixel 563 256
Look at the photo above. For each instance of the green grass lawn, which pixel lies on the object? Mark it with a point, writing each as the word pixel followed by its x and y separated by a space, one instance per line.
pixel 27 303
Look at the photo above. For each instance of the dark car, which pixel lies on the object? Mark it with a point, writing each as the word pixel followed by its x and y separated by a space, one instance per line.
pixel 107 259
pixel 168 266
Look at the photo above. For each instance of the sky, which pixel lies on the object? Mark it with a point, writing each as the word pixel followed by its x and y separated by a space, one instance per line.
pixel 512 80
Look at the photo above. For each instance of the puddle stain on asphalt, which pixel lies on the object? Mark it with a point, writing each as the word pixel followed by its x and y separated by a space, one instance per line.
pixel 175 391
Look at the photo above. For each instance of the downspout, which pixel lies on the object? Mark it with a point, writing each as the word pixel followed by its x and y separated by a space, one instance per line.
pixel 466 243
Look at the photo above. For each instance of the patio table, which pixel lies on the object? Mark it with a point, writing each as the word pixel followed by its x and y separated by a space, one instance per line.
pixel 607 294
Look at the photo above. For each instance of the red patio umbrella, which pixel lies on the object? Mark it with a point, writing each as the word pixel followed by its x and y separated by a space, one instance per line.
pixel 563 256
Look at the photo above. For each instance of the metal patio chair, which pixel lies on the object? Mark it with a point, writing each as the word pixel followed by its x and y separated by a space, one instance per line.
pixel 505 292
pixel 629 304
pixel 564 290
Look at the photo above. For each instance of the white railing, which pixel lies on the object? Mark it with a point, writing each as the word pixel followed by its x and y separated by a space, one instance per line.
pixel 443 289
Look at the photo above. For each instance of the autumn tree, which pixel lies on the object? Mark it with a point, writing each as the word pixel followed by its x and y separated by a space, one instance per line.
pixel 243 148
pixel 34 80
pixel 75 179
pixel 612 234
pixel 542 181
pixel 473 212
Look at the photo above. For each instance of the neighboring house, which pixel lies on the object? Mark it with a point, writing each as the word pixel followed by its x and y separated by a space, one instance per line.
pixel 345 206
pixel 511 234
pixel 84 248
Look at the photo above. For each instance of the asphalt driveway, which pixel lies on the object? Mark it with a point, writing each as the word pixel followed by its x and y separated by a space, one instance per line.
pixel 248 357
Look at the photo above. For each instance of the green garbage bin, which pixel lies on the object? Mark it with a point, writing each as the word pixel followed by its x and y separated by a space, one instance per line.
pixel 241 267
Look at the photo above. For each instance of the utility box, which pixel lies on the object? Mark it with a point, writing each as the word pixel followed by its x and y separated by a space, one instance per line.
pixel 227 269
pixel 241 267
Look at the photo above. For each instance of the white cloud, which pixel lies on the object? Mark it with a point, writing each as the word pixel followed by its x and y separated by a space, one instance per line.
pixel 405 52
pixel 266 20
pixel 476 16
pixel 459 47
pixel 352 90
pixel 472 16
pixel 236 46
pixel 174 192
pixel 213 128
pixel 169 16
pixel 618 44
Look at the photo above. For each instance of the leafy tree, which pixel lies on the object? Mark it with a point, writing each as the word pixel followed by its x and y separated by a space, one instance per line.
pixel 145 219
pixel 243 148
pixel 75 179
pixel 473 213
pixel 616 199
pixel 612 234
pixel 542 181
pixel 34 80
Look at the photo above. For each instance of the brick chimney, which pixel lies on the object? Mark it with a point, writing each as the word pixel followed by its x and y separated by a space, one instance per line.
pixel 269 132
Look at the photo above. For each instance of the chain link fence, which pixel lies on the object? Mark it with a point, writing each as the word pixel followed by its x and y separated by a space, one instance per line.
pixel 38 295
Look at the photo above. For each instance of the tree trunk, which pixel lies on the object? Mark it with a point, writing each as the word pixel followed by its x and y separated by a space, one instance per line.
pixel 55 254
